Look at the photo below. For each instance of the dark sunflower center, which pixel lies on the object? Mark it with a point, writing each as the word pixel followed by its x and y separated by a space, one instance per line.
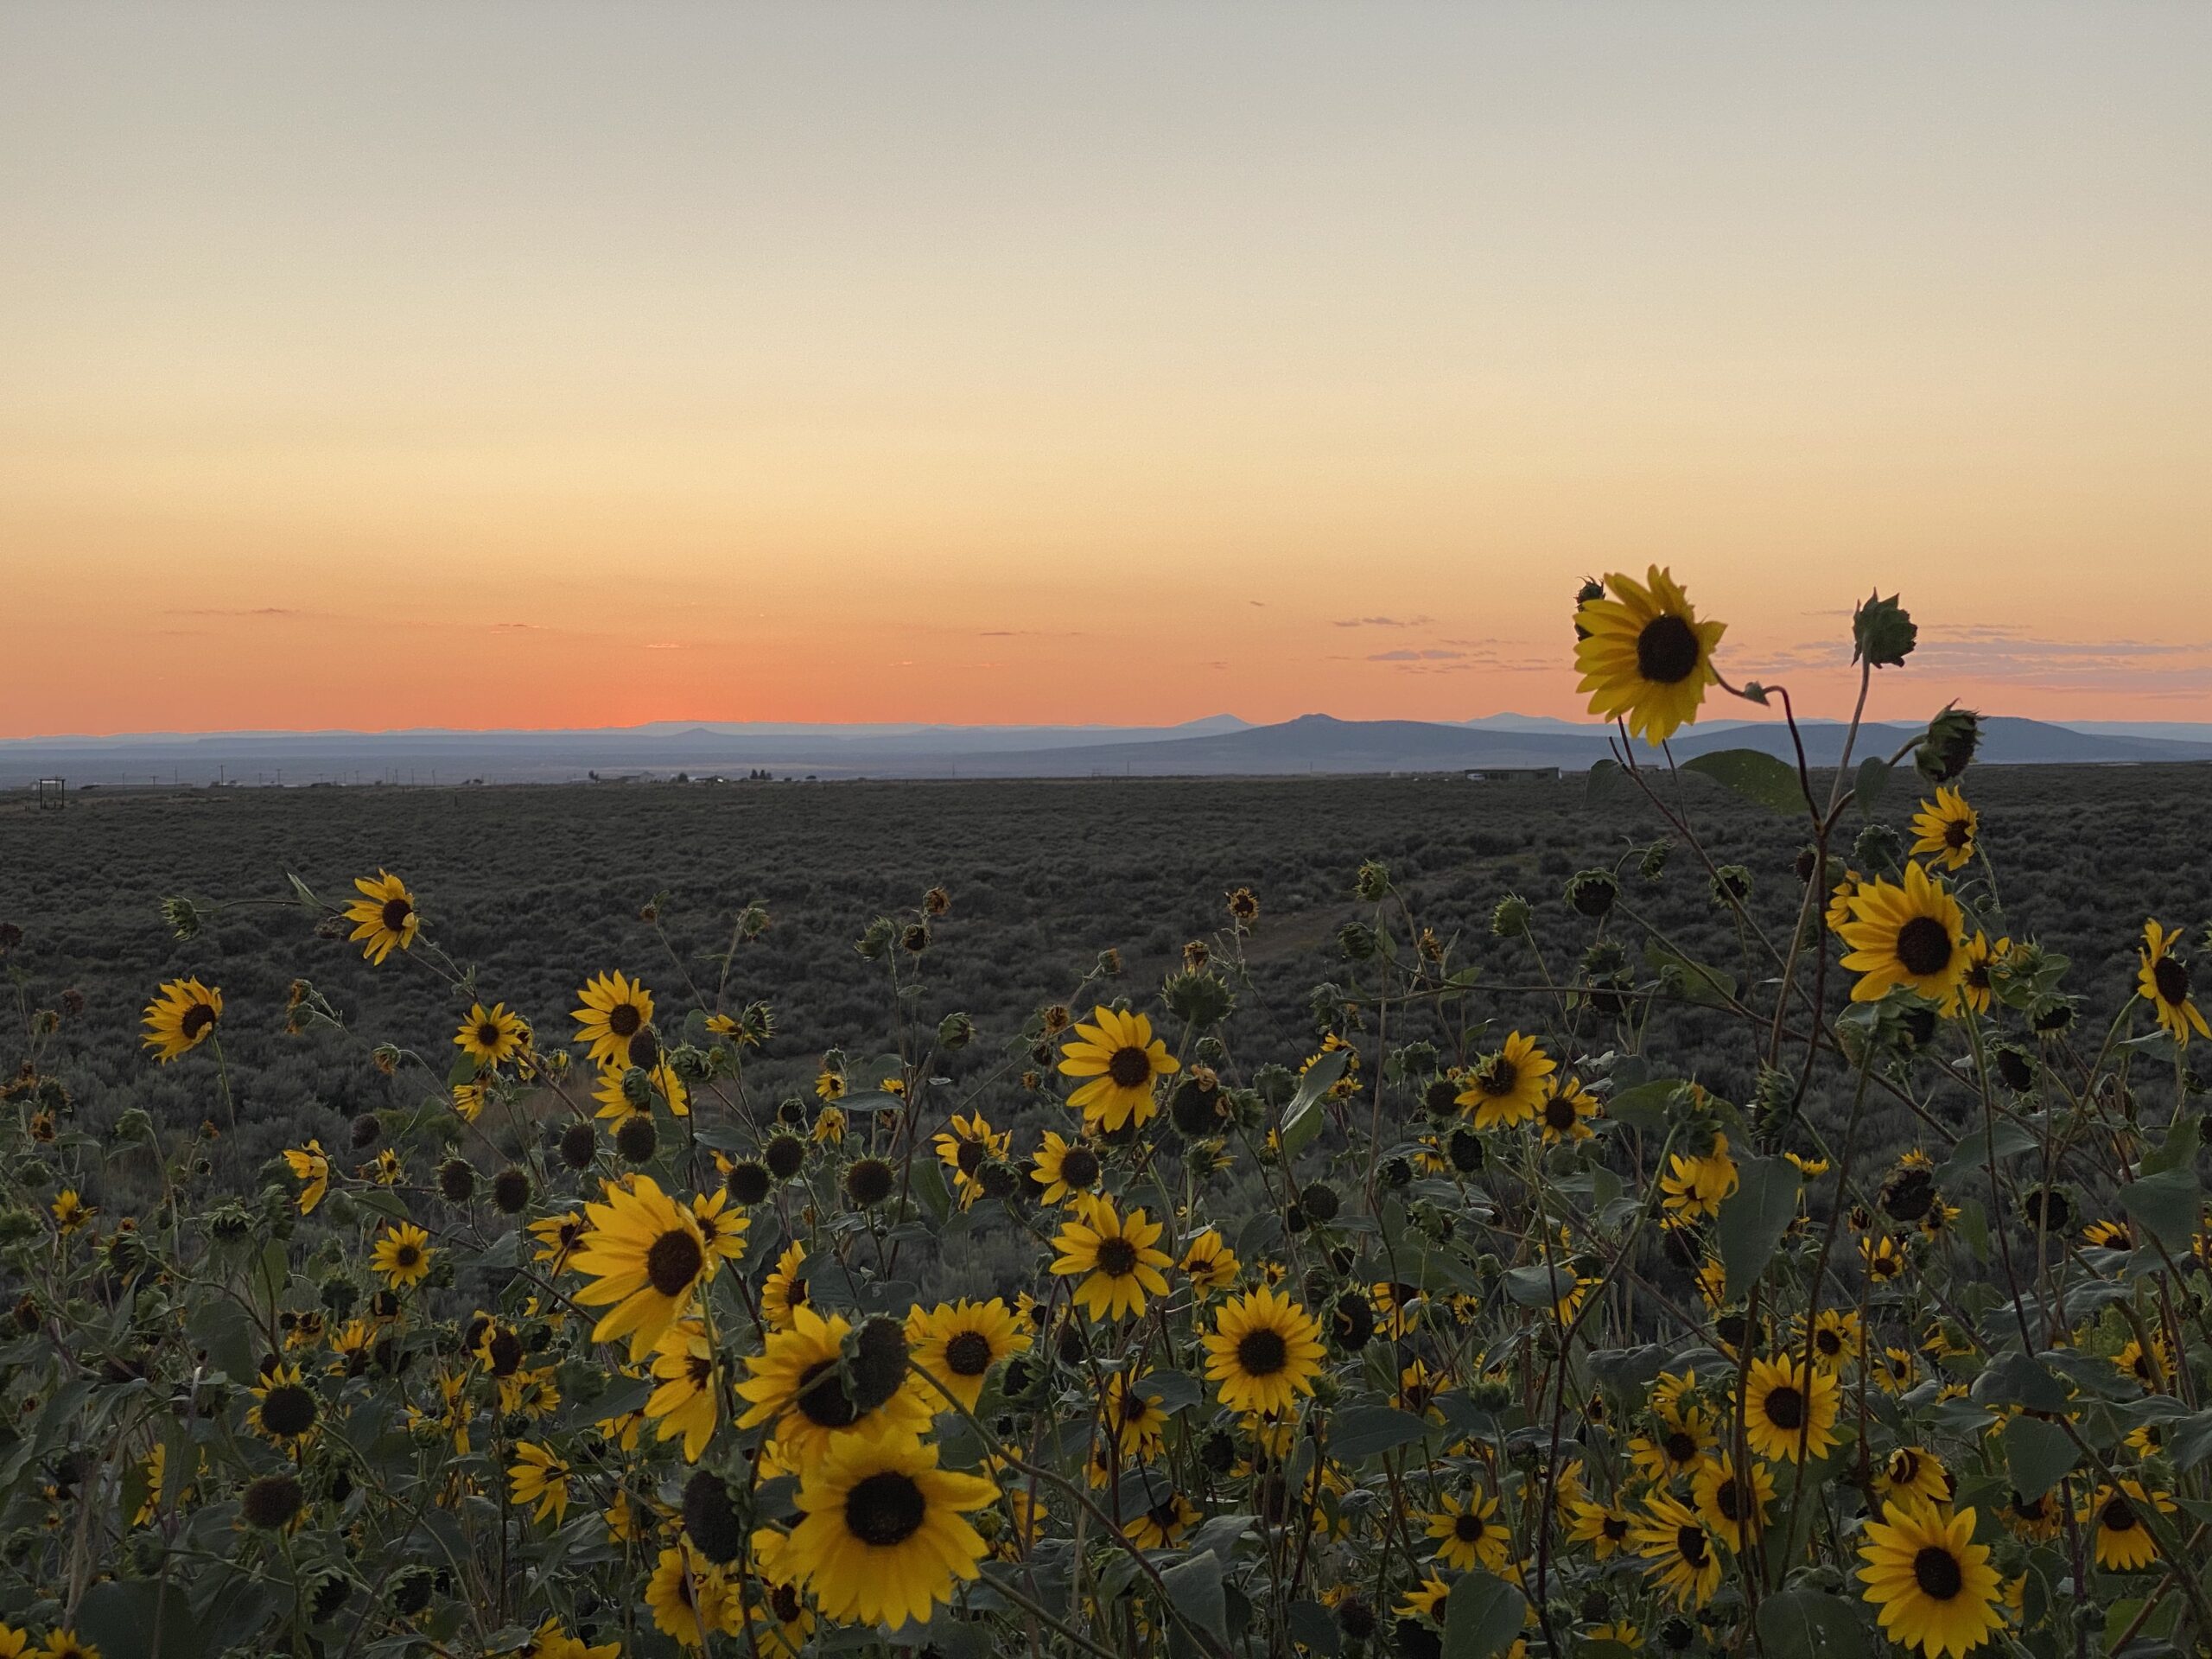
pixel 674 1261
pixel 288 1410
pixel 1924 946
pixel 885 1510
pixel 2028 1508
pixel 1903 1467
pixel 1559 1113
pixel 1131 1068
pixel 1079 1166
pixel 1936 1572
pixel 1827 1341
pixel 1498 1077
pixel 1667 650
pixel 784 1598
pixel 2117 1515
pixel 697 1370
pixel 1117 1257
pixel 821 1396
pixel 406 1256
pixel 1166 1514
pixel 1956 833
pixel 1682 1446
pixel 970 1157
pixel 1690 1542
pixel 968 1354
pixel 623 1020
pixel 2172 980
pixel 1977 975
pixel 505 1351
pixel 395 912
pixel 1468 1528
pixel 1728 1500
pixel 1261 1353
pixel 1615 1527
pixel 197 1019
pixel 1785 1408
pixel 487 1035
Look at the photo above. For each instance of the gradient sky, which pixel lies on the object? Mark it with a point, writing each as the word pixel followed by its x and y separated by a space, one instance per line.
pixel 545 366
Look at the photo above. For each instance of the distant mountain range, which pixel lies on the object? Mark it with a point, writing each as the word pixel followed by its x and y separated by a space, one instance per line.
pixel 1221 745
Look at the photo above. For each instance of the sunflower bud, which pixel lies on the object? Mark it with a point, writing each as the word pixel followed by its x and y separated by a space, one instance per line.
pixel 182 915
pixel 1949 749
pixel 1591 893
pixel 1510 920
pixel 1372 884
pixel 1882 634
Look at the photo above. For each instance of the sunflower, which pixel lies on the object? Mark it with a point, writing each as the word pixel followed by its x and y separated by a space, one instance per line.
pixel 1894 1370
pixel 383 917
pixel 691 1599
pixel 965 1149
pixel 1209 1263
pixel 1946 828
pixel 1468 1533
pixel 1116 1257
pixel 1733 1507
pixel 1838 1337
pixel 799 1382
pixel 1135 1415
pixel 1643 656
pixel 403 1255
pixel 1065 1169
pixel 67 1644
pixel 1913 936
pixel 1678 1550
pixel 687 1401
pixel 2123 1542
pixel 1698 1186
pixel 614 1101
pixel 885 1535
pixel 1785 1413
pixel 784 1291
pixel 284 1408
pixel 1507 1086
pixel 1161 1525
pixel 2164 982
pixel 2149 1366
pixel 2108 1235
pixel 182 1016
pixel 956 1344
pixel 539 1476
pixel 1565 1111
pixel 776 1617
pixel 1840 897
pixel 1265 1352
pixel 2034 1518
pixel 1935 1587
pixel 557 1237
pixel 1680 1442
pixel 492 1036
pixel 1425 1600
pixel 617 1010
pixel 1882 1258
pixel 828 1085
pixel 1119 1054
pixel 720 1228
pixel 309 1165
pixel 1603 1527
pixel 645 1255
pixel 1975 988
pixel 1913 1471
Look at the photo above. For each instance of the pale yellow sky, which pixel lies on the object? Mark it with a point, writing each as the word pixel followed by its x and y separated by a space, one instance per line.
pixel 559 365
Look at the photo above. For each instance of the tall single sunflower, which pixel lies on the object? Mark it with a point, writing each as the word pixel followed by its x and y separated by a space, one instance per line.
pixel 1976 989
pixel 1467 1532
pixel 1161 1525
pixel 384 917
pixel 720 1227
pixel 687 1399
pixel 492 1036
pixel 1696 1187
pixel 402 1255
pixel 182 1016
pixel 2163 982
pixel 1643 656
pixel 646 1256
pixel 799 1382
pixel 310 1167
pixel 964 1147
pixel 539 1476
pixel 617 1012
pixel 1122 1058
pixel 1265 1350
pixel 1945 829
pixel 956 1343
pixel 2123 1542
pixel 784 1291
pixel 1733 1506
pixel 1065 1169
pixel 885 1535
pixel 661 1084
pixel 692 1600
pixel 1934 1585
pixel 1786 1411
pixel 1209 1263
pixel 1913 935
pixel 1565 1111
pixel 1115 1257
pixel 1603 1527
pixel 1914 1472
pixel 1508 1086
pixel 1678 1550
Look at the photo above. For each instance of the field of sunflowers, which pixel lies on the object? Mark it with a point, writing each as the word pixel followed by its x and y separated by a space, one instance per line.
pixel 1522 1338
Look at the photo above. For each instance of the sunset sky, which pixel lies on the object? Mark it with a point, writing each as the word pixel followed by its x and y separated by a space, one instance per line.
pixel 553 366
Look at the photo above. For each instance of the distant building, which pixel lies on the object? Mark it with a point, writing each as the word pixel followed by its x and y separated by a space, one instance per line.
pixel 1512 774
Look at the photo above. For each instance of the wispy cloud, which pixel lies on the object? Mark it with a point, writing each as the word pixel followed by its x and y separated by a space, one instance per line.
pixel 257 610
pixel 2016 657
pixel 1383 621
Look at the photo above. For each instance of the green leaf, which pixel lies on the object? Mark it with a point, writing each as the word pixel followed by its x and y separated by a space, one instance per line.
pixel 1755 775
pixel 1369 1431
pixel 2190 1441
pixel 462 1070
pixel 1874 780
pixel 929 1187
pixel 309 902
pixel 1754 1218
pixel 1195 1591
pixel 1644 1107
pixel 1698 982
pixel 2020 1380
pixel 1607 781
pixel 1970 1158
pixel 2036 1454
pixel 1301 1118
pixel 2170 1204
pixel 1802 1622
pixel 1540 1285
pixel 1482 1616
pixel 2178 1150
